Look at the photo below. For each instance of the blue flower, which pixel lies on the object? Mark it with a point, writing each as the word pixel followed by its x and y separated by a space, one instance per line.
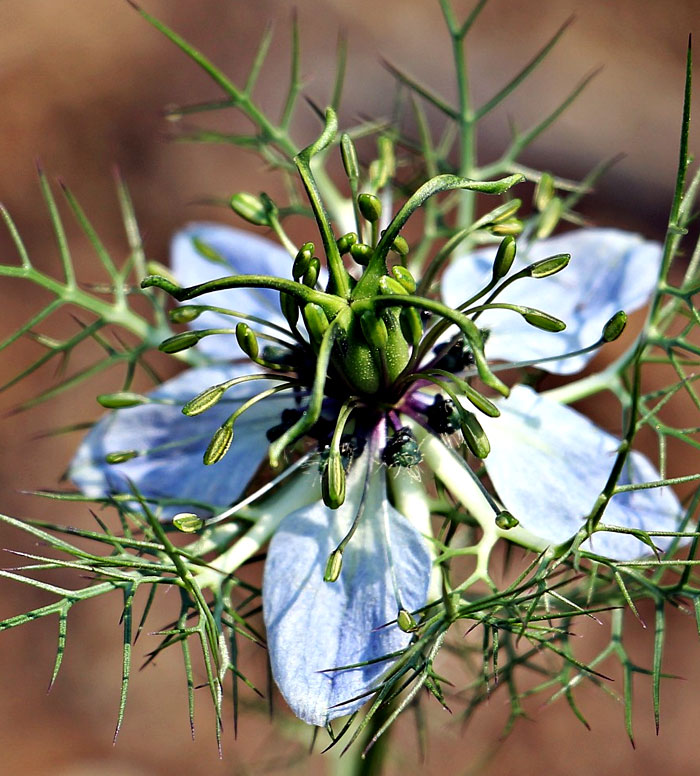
pixel 547 462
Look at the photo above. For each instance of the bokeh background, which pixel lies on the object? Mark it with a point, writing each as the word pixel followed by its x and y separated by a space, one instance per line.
pixel 82 85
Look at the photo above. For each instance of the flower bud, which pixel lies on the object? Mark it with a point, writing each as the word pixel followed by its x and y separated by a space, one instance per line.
pixel 116 401
pixel 121 456
pixel 542 320
pixel 361 253
pixel 374 330
pixel 302 259
pixel 550 266
pixel 506 521
pixel 247 340
pixel 178 342
pixel 349 157
pixel 311 274
pixel 250 208
pixel 505 256
pixel 346 241
pixel 333 566
pixel 544 191
pixel 219 445
pixel 400 246
pixel 185 314
pixel 405 621
pixel 316 321
pixel 370 207
pixel 204 400
pixel 333 481
pixel 404 277
pixel 474 435
pixel 614 327
pixel 188 522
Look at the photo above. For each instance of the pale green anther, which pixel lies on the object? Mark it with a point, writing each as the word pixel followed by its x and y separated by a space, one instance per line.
pixel 390 287
pixel 349 156
pixel 513 226
pixel 219 445
pixel 346 241
pixel 544 191
pixel 316 321
pixel 505 521
pixel 550 218
pixel 302 260
pixel 370 207
pixel 311 274
pixel 250 208
pixel 411 325
pixel 185 314
pixel 121 399
pixel 400 246
pixel 121 456
pixel 615 326
pixel 333 566
pixel 290 309
pixel 333 481
pixel 505 256
pixel 361 253
pixel 505 211
pixel 404 277
pixel 405 621
pixel 156 268
pixel 375 330
pixel 541 320
pixel 550 266
pixel 178 342
pixel 247 340
pixel 204 400
pixel 474 434
pixel 188 522
pixel 205 250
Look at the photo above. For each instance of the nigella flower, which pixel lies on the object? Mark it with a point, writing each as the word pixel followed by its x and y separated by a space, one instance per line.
pixel 350 557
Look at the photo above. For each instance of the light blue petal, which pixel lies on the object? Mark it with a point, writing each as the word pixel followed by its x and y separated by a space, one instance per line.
pixel 313 626
pixel 244 254
pixel 548 464
pixel 171 444
pixel 610 270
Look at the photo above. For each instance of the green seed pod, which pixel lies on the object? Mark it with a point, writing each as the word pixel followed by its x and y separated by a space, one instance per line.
pixel 374 330
pixel 121 456
pixel 349 157
pixel 316 321
pixel 346 241
pixel 204 400
pixel 361 253
pixel 302 259
pixel 370 207
pixel 333 566
pixel 405 621
pixel 116 401
pixel 388 286
pixel 404 277
pixel 188 522
pixel 333 481
pixel 311 274
pixel 506 521
pixel 178 342
pixel 550 218
pixel 411 325
pixel 544 191
pixel 247 340
pixel 542 320
pixel 290 309
pixel 474 434
pixel 185 314
pixel 614 327
pixel 400 246
pixel 505 256
pixel 250 208
pixel 550 266
pixel 513 226
pixel 219 445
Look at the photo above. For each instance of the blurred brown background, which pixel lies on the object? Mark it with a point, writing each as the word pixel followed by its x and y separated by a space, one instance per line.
pixel 82 84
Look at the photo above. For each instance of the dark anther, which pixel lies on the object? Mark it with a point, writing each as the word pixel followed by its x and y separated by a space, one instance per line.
pixel 443 416
pixel 402 449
